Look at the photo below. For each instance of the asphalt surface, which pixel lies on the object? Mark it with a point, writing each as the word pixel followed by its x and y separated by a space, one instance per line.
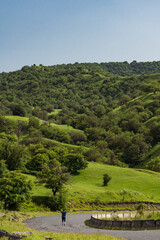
pixel 75 224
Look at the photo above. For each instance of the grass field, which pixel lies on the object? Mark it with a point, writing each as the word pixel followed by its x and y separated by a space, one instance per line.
pixel 126 185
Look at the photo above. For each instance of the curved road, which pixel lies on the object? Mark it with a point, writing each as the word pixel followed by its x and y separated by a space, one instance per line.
pixel 75 224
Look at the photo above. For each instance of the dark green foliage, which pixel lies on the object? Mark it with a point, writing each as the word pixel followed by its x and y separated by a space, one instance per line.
pixel 34 122
pixel 3 168
pixel 117 111
pixel 57 202
pixel 6 125
pixel 77 137
pixel 15 155
pixel 18 110
pixel 75 162
pixel 55 134
pixel 39 156
pixel 154 164
pixel 106 179
pixel 124 68
pixel 40 114
pixel 14 189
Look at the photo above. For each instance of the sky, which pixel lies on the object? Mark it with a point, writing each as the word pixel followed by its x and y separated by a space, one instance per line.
pixel 51 32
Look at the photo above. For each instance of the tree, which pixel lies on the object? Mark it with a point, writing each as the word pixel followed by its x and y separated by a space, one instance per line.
pixel 77 137
pixel 124 99
pixel 34 122
pixel 18 110
pixel 134 153
pixel 16 156
pixel 14 189
pixel 75 162
pixel 53 176
pixel 39 156
pixel 6 125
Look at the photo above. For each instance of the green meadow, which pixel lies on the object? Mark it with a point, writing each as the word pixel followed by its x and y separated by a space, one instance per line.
pixel 126 185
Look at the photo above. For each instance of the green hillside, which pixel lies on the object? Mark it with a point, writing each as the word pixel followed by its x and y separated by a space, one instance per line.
pixel 126 185
pixel 59 121
pixel 84 104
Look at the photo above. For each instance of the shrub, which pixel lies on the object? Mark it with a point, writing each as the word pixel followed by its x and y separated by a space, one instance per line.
pixel 154 164
pixel 57 202
pixel 106 179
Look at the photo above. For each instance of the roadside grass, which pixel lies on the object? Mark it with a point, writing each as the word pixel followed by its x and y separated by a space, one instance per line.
pixel 147 216
pixel 13 222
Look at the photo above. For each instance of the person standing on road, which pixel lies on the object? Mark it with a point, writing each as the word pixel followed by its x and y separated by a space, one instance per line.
pixel 63 217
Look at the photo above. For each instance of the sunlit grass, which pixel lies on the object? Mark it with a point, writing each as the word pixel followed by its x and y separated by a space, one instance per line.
pixel 126 185
pixel 55 112
pixel 17 118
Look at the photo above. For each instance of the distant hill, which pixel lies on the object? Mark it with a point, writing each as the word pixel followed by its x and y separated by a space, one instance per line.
pixel 73 84
pixel 133 68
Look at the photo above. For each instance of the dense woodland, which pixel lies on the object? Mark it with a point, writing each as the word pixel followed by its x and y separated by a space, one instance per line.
pixel 110 113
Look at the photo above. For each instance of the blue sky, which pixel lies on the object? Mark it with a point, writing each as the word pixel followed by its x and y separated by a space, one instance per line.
pixel 53 32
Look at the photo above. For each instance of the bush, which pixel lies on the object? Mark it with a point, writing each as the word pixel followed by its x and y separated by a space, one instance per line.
pixel 154 164
pixel 14 189
pixel 106 179
pixel 141 208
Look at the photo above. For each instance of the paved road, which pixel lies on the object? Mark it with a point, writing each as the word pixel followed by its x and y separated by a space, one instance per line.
pixel 75 224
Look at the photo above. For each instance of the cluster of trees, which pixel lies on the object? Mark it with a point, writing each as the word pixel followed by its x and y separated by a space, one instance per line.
pixel 51 164
pixel 37 90
pixel 133 68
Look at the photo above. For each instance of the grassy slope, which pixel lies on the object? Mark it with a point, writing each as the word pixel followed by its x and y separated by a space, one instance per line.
pixel 17 118
pixel 126 184
pixel 61 127
pixel 67 145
